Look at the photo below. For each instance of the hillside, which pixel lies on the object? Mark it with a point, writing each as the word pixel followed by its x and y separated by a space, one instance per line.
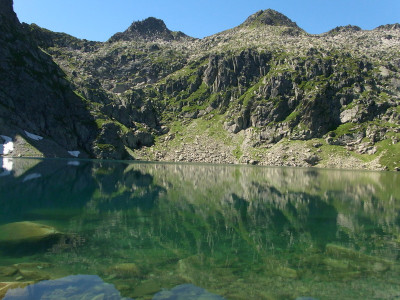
pixel 265 92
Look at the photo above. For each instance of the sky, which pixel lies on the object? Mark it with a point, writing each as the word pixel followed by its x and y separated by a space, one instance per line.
pixel 98 20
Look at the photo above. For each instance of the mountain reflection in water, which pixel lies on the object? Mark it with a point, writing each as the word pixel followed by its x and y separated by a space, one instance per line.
pixel 237 231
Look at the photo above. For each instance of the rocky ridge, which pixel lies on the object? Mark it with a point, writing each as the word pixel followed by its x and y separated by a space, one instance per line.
pixel 148 29
pixel 264 92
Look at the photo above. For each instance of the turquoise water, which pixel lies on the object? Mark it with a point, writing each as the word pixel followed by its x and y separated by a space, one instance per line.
pixel 109 230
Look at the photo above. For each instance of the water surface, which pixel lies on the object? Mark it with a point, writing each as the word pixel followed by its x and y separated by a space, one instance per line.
pixel 187 231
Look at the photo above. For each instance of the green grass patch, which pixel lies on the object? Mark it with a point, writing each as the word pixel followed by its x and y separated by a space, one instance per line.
pixel 293 116
pixel 237 153
pixel 390 154
pixel 106 147
pixel 344 129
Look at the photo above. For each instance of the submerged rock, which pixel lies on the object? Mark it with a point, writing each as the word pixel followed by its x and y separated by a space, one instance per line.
pixel 8 271
pixel 125 270
pixel 27 236
pixel 26 232
pixel 147 288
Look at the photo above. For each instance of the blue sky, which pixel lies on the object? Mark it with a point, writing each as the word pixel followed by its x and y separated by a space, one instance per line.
pixel 100 19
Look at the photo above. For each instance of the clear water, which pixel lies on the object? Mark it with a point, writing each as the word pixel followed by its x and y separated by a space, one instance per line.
pixel 188 231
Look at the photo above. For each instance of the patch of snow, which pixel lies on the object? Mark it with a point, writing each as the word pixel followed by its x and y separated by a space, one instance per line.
pixel 32 176
pixel 74 153
pixel 33 136
pixel 8 147
pixel 74 163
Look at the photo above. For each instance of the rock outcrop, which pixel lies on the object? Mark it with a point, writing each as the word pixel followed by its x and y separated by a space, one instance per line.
pixel 269 17
pixel 149 29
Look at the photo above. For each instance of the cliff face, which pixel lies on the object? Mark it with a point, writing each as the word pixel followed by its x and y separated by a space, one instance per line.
pixel 242 95
pixel 35 95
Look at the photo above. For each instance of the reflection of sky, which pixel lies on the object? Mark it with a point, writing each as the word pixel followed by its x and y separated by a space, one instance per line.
pixel 71 287
pixel 93 287
pixel 32 176
pixel 73 163
pixel 187 292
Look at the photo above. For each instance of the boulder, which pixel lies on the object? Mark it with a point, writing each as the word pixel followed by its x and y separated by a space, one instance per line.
pixel 26 232
pixel 125 270
pixel 23 237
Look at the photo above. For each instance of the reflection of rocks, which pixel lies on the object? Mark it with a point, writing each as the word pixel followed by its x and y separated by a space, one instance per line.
pixel 26 271
pixel 33 271
pixel 71 287
pixel 360 261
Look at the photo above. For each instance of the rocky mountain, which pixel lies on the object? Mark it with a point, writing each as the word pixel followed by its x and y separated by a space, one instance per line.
pixel 148 29
pixel 265 92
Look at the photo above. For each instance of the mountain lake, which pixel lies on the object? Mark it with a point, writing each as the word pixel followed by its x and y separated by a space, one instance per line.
pixel 87 229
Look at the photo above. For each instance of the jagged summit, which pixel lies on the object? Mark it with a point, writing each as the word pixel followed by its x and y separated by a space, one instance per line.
pixel 395 26
pixel 148 29
pixel 342 29
pixel 269 17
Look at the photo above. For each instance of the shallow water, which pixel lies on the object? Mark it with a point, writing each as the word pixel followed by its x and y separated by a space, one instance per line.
pixel 187 231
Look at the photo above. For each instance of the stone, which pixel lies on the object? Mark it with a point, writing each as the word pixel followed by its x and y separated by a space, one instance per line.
pixel 348 114
pixel 125 270
pixel 34 275
pixel 20 232
pixel 148 287
pixel 312 160
pixel 8 271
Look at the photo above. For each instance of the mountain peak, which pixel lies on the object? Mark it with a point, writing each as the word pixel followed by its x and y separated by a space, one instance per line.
pixel 395 26
pixel 269 17
pixel 7 10
pixel 149 26
pixel 343 29
pixel 148 29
